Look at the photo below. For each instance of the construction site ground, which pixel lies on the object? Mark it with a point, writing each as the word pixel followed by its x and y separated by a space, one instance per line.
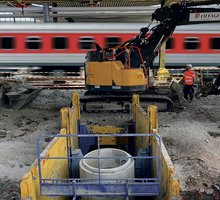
pixel 191 136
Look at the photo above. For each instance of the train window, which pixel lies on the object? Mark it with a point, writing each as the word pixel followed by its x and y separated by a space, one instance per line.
pixel 111 42
pixel 7 42
pixel 86 43
pixel 170 43
pixel 214 43
pixel 33 42
pixel 60 43
pixel 191 43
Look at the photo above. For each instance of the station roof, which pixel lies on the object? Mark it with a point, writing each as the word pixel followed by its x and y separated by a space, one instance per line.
pixel 99 3
pixel 82 3
pixel 86 10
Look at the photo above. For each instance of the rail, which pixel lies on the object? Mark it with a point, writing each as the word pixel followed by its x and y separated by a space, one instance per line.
pixel 47 80
pixel 76 80
pixel 98 186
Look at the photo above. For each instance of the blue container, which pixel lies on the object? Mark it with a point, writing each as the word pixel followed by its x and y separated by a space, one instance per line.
pixel 76 157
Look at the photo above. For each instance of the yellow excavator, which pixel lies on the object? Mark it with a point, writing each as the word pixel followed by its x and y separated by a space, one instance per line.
pixel 113 74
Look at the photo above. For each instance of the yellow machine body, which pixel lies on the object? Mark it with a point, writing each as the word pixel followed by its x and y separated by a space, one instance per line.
pixel 113 76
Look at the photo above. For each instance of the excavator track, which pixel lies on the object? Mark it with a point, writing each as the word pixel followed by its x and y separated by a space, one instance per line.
pixel 123 103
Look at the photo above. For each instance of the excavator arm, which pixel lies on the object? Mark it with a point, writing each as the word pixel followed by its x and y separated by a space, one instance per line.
pixel 149 41
pixel 188 13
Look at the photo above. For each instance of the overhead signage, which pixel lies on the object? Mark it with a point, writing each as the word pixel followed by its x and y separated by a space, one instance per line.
pixel 196 17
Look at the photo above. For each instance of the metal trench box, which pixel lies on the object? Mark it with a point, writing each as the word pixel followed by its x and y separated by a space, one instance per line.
pixel 146 182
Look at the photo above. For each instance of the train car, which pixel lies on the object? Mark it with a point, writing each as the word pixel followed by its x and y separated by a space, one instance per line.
pixel 64 46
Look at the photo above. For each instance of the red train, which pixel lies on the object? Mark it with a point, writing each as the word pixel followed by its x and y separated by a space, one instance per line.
pixel 64 46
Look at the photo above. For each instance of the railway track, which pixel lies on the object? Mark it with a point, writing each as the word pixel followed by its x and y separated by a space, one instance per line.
pixel 47 80
pixel 76 80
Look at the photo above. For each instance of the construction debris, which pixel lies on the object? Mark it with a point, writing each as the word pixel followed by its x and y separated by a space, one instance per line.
pixel 16 94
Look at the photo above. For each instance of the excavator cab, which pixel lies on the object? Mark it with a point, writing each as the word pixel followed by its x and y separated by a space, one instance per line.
pixel 111 70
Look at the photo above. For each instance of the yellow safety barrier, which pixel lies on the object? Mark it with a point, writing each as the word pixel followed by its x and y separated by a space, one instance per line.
pixel 76 103
pixel 50 168
pixel 108 130
pixel 29 184
pixel 142 123
pixel 148 123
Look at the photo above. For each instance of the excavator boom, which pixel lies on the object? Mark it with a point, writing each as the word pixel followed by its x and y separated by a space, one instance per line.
pixel 186 14
pixel 169 17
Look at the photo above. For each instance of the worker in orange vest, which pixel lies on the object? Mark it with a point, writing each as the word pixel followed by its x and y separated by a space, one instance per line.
pixel 189 79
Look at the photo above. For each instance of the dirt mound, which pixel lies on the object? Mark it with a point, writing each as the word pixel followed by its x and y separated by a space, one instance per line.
pixel 212 193
pixel 189 139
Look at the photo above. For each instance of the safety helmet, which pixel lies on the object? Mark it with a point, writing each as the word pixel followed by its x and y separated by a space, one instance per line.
pixel 188 66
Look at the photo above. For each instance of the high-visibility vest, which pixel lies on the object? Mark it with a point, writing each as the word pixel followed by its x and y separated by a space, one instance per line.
pixel 188 77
